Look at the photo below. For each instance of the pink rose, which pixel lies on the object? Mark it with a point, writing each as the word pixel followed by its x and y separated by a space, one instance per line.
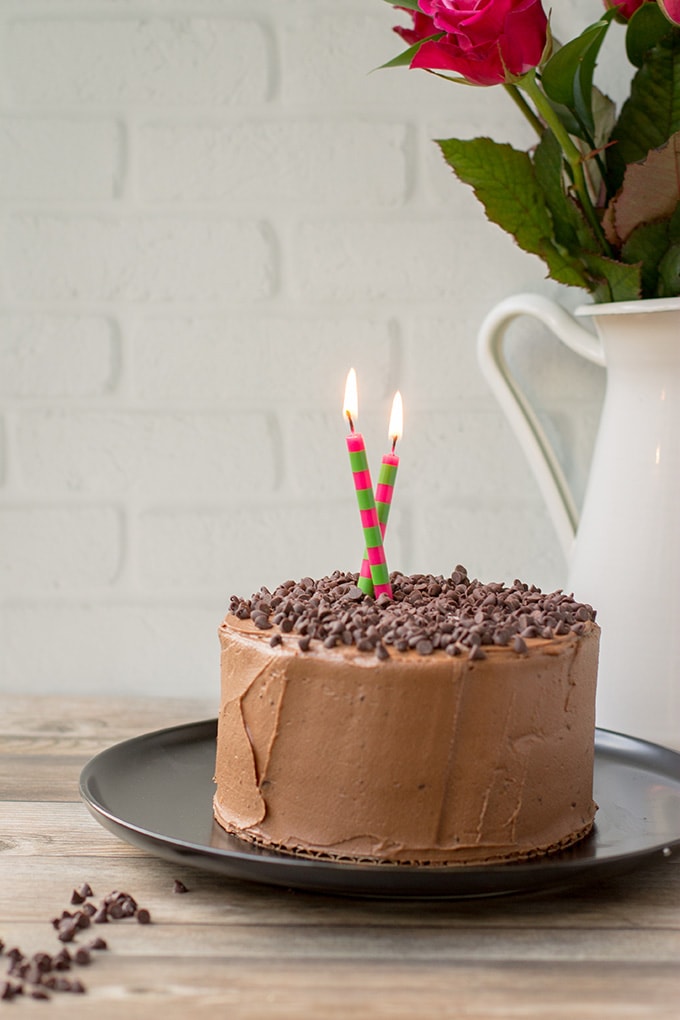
pixel 625 9
pixel 671 9
pixel 423 27
pixel 487 42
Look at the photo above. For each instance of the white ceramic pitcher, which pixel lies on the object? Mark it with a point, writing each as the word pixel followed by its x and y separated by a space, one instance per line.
pixel 623 549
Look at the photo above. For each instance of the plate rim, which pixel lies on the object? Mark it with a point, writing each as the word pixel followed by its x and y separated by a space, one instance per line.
pixel 562 866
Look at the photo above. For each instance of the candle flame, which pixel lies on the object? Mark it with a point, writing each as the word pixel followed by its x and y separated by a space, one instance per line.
pixel 396 427
pixel 350 409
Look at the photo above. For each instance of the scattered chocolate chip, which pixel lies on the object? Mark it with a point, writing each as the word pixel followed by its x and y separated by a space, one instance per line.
pixel 179 887
pixel 43 962
pixel 42 973
pixel 67 934
pixel 62 961
pixel 7 991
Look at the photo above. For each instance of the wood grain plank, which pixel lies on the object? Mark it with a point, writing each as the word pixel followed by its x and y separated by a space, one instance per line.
pixel 602 952
pixel 181 987
pixel 110 719
pixel 647 899
pixel 55 745
pixel 59 829
pixel 40 777
pixel 173 934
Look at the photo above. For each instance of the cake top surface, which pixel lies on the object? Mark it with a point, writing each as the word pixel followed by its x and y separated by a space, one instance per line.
pixel 428 613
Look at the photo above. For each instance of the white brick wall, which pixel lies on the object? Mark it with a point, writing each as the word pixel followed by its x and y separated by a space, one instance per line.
pixel 208 212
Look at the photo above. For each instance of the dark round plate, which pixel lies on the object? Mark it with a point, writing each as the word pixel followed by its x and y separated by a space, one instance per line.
pixel 155 791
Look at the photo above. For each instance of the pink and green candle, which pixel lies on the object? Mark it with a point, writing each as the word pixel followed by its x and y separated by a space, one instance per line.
pixel 375 552
pixel 385 489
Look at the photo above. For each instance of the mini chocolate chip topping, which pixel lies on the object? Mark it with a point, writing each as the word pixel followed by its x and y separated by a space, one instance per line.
pixel 454 614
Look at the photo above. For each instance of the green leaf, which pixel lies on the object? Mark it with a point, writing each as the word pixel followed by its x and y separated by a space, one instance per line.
pixel 647 246
pixel 404 59
pixel 647 27
pixel 651 114
pixel 669 273
pixel 504 181
pixel 567 78
pixel 674 229
pixel 411 4
pixel 604 112
pixel 571 229
pixel 616 281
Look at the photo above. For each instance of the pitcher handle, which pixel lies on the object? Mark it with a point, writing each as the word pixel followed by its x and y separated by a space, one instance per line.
pixel 522 418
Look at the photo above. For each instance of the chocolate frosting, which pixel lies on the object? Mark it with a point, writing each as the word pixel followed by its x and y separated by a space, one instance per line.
pixel 410 758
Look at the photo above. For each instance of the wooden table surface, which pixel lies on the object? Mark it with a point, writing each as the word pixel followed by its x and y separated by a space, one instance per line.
pixel 242 950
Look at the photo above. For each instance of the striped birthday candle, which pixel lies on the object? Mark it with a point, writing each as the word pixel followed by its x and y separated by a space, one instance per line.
pixel 375 552
pixel 386 481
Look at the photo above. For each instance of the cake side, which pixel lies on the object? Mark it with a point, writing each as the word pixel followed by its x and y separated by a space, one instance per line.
pixel 479 756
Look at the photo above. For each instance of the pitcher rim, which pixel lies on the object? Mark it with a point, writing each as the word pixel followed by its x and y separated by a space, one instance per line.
pixel 639 307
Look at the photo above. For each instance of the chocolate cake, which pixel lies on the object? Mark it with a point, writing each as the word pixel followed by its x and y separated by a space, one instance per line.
pixel 453 724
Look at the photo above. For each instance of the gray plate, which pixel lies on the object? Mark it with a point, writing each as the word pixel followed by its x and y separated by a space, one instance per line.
pixel 155 791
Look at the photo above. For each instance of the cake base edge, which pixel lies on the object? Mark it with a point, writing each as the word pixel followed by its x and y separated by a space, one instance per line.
pixel 447 857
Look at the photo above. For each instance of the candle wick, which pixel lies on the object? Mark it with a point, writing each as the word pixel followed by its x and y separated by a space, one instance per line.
pixel 394 443
pixel 349 419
